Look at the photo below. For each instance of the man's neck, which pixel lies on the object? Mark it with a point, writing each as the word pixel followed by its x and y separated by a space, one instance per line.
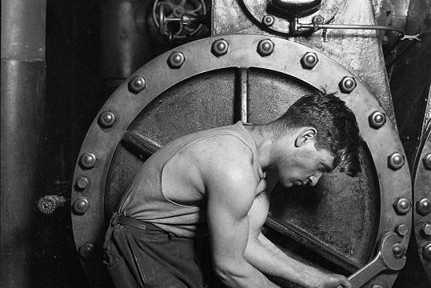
pixel 263 139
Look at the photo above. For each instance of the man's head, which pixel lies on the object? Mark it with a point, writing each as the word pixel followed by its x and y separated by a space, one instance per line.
pixel 325 131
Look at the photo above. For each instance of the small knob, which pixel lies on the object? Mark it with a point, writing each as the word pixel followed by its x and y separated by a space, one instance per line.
pixel 49 203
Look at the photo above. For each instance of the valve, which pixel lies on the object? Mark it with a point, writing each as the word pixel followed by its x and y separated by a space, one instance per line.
pixel 49 203
pixel 178 20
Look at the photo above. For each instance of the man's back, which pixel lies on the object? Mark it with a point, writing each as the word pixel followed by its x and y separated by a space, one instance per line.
pixel 169 190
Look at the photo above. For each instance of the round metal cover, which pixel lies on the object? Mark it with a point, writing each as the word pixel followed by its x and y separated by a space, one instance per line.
pixel 335 225
pixel 422 201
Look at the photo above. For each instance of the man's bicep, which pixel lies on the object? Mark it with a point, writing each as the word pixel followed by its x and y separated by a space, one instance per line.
pixel 230 196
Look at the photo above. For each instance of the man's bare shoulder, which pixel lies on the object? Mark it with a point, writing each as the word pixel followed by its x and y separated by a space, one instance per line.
pixel 224 148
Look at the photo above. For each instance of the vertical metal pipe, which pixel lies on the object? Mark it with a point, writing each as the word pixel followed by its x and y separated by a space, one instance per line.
pixel 22 132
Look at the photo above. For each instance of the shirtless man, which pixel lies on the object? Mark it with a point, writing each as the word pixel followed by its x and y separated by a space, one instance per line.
pixel 216 185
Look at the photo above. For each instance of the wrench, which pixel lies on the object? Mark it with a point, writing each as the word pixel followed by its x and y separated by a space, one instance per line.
pixel 384 260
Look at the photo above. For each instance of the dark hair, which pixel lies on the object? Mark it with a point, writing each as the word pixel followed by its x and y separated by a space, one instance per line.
pixel 337 130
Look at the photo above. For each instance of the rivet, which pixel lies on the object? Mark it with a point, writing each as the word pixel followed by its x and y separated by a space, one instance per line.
pixel 426 229
pixel 268 20
pixel 318 19
pixel 107 119
pixel 87 160
pixel 377 119
pixel 82 182
pixel 347 84
pixel 219 47
pixel 309 60
pixel 395 161
pixel 398 250
pixel 423 206
pixel 427 161
pixel 176 60
pixel 81 205
pixel 265 47
pixel 402 229
pixel 402 205
pixel 86 251
pixel 426 252
pixel 137 84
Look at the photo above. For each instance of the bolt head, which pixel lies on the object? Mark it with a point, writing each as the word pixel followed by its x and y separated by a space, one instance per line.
pixel 265 47
pixel 396 161
pixel 426 230
pixel 106 119
pixel 426 252
pixel 402 206
pixel 220 47
pixel 318 19
pixel 423 206
pixel 402 230
pixel 80 205
pixel 86 251
pixel 398 250
pixel 82 182
pixel 176 60
pixel 136 84
pixel 87 160
pixel 377 119
pixel 268 20
pixel 347 84
pixel 309 60
pixel 427 161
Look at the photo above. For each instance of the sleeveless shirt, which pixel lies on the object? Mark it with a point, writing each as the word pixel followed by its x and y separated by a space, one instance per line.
pixel 146 201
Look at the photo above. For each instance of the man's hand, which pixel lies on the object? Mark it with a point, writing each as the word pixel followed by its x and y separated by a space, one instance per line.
pixel 334 281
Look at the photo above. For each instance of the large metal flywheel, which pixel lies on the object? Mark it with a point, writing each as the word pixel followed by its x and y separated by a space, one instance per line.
pixel 342 225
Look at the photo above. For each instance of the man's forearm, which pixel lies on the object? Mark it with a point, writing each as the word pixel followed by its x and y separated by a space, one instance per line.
pixel 243 275
pixel 268 258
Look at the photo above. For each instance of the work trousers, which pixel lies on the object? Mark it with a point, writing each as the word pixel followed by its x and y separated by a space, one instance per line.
pixel 139 254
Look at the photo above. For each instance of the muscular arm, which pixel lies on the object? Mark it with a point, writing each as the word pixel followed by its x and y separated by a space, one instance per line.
pixel 268 258
pixel 231 189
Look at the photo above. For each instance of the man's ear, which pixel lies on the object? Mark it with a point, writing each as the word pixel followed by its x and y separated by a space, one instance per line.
pixel 306 135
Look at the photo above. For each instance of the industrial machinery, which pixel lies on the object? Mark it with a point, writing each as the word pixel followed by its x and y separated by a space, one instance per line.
pixel 173 67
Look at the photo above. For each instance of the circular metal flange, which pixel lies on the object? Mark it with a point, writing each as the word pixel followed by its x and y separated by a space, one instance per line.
pixel 422 202
pixel 90 226
pixel 275 19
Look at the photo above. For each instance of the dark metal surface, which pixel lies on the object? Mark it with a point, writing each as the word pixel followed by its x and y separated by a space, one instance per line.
pixel 422 203
pixel 202 94
pixel 22 136
pixel 125 35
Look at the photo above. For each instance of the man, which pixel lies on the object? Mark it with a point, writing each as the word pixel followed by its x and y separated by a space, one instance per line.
pixel 216 185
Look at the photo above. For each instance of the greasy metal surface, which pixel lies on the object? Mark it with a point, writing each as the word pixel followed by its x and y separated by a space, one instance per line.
pixel 384 260
pixel 207 87
pixel 22 132
pixel 357 50
pixel 422 190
